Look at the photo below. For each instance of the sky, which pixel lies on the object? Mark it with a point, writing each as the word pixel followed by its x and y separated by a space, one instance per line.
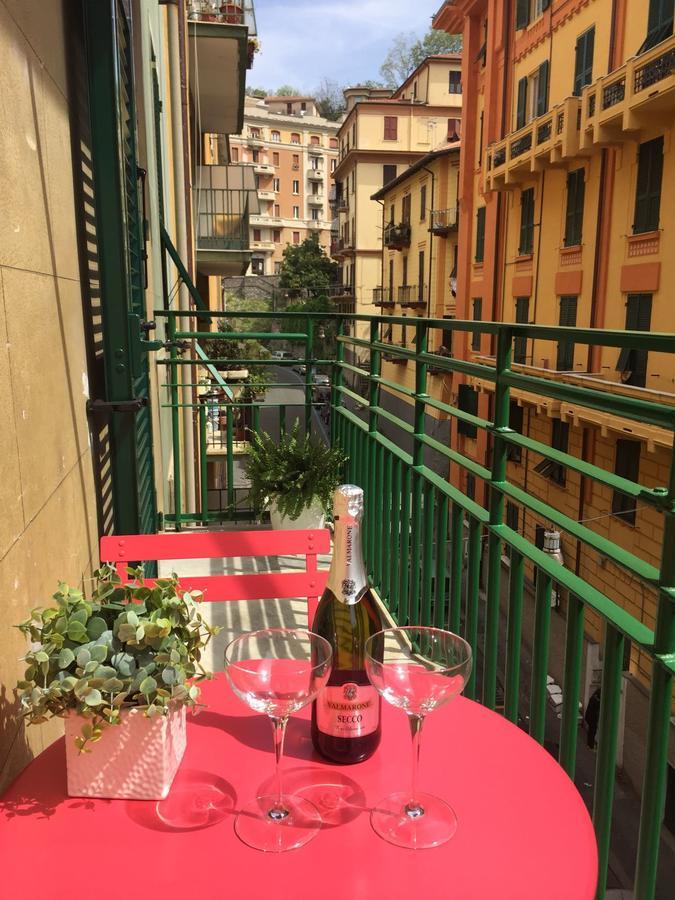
pixel 303 41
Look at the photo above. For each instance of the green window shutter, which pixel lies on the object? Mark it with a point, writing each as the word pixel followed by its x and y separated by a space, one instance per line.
pixel 632 363
pixel 521 109
pixel 542 89
pixel 522 316
pixel 583 66
pixel 568 319
pixel 545 4
pixel 522 14
pixel 626 465
pixel 648 187
pixel 574 215
pixel 513 452
pixel 480 234
pixel 467 400
pixel 526 222
pixel 659 23
pixel 477 317
pixel 550 469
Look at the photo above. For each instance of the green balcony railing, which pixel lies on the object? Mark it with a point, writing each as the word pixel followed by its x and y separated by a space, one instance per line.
pixel 436 555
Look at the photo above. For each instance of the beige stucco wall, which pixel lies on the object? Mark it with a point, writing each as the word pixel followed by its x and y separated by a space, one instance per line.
pixel 48 524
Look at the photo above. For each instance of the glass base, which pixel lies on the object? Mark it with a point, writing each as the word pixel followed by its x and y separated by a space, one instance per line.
pixel 196 800
pixel 431 823
pixel 261 825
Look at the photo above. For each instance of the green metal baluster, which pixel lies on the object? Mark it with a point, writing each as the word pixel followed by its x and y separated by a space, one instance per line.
pixel 282 421
pixel 605 764
pixel 230 457
pixel 574 647
pixel 404 572
pixel 542 629
pixel 203 480
pixel 513 636
pixel 175 421
pixel 494 574
pixel 472 598
pixel 421 333
pixel 441 555
pixel 309 354
pixel 378 523
pixel 456 562
pixel 256 418
pixel 388 534
pixel 373 402
pixel 416 549
pixel 395 560
pixel 336 421
pixel 428 554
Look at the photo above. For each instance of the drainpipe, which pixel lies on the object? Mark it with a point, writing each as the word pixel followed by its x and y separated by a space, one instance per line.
pixel 381 202
pixel 431 239
pixel 179 175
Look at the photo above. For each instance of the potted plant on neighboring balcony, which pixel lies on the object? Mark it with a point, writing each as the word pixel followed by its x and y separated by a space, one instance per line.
pixel 121 668
pixel 294 478
pixel 232 13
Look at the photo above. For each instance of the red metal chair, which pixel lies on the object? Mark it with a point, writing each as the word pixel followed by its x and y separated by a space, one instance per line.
pixel 123 549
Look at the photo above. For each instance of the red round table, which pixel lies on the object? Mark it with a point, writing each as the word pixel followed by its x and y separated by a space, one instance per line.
pixel 524 833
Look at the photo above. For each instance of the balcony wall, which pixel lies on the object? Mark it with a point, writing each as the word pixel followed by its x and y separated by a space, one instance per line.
pixel 223 197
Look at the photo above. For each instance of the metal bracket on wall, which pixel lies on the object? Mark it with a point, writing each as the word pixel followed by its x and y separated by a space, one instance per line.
pixel 105 407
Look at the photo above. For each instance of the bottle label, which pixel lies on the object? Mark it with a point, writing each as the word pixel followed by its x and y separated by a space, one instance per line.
pixel 348 710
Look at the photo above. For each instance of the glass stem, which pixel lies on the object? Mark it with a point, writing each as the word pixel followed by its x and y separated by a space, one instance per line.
pixel 279 731
pixel 413 808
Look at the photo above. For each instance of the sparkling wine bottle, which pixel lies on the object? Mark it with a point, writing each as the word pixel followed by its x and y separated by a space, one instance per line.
pixel 346 715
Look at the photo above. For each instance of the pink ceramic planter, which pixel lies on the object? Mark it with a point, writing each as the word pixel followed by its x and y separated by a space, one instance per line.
pixel 135 760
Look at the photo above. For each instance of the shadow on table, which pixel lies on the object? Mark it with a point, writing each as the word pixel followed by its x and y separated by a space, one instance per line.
pixel 197 800
pixel 338 797
pixel 256 732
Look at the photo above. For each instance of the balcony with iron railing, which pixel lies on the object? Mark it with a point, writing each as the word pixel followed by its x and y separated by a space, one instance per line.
pixel 439 557
pixel 397 236
pixel 443 221
pixel 412 295
pixel 383 296
pixel 341 291
pixel 215 12
pixel 224 197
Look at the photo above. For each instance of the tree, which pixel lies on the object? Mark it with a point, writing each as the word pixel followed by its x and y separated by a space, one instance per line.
pixel 256 92
pixel 306 270
pixel 330 100
pixel 407 52
pixel 287 90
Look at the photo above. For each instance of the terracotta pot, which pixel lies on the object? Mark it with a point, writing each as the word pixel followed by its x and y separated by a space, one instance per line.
pixel 312 516
pixel 232 13
pixel 135 760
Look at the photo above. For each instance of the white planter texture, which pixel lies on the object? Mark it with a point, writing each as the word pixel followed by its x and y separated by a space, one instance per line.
pixel 311 517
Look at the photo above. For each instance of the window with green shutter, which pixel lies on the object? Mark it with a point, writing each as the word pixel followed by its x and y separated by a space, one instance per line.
pixel 467 401
pixel 514 453
pixel 555 471
pixel 632 363
pixel 423 203
pixel 583 63
pixel 574 215
pixel 522 317
pixel 522 14
pixel 542 89
pixel 521 104
pixel 512 516
pixel 470 486
pixel 659 23
pixel 480 234
pixel 568 319
pixel 648 187
pixel 526 245
pixel 627 465
pixel 477 317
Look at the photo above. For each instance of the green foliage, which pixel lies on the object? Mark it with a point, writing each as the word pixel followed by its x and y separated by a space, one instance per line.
pixel 305 267
pixel 407 52
pixel 235 350
pixel 261 93
pixel 330 100
pixel 130 645
pixel 287 90
pixel 293 472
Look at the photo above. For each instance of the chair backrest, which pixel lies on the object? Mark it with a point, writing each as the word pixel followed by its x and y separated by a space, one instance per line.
pixel 123 549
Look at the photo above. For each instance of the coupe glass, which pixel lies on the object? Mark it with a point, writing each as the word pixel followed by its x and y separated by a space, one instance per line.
pixel 416 670
pixel 277 671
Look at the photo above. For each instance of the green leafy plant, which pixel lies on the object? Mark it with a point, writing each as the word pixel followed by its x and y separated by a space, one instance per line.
pixel 130 645
pixel 293 472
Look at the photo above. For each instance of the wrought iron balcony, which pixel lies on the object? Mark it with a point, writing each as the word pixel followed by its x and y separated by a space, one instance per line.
pixel 411 295
pixel 340 291
pixel 396 237
pixel 383 296
pixel 240 12
pixel 443 221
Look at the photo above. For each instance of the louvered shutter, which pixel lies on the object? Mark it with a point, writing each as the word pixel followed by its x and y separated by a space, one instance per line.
pixel 521 109
pixel 522 13
pixel 542 88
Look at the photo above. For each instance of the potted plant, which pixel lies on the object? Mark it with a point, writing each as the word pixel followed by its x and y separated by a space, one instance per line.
pixel 294 478
pixel 121 668
pixel 233 13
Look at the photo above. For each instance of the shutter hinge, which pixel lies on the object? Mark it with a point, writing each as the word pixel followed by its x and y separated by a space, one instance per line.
pixel 107 407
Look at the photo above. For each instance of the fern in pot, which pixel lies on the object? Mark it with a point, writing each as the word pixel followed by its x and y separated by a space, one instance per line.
pixel 294 478
pixel 121 668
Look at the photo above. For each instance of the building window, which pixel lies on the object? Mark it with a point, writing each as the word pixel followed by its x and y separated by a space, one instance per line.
pixel 404 263
pixel 256 234
pixel 420 275
pixel 303 106
pixel 514 453
pixel 296 212
pixel 626 465
pixel 568 319
pixel 477 317
pixel 446 339
pixel 555 471
pixel 276 137
pixel 632 364
pixel 388 174
pixel 275 159
pixel 648 188
pixel 296 237
pixel 333 165
pixel 529 10
pixel 315 214
pixel 480 140
pixel 512 516
pixel 276 236
pixel 480 234
pixel 583 60
pixel 454 82
pixel 406 204
pixel 316 162
pixel 295 138
pixel 454 129
pixel 315 140
pixel 277 210
pixel 659 23
pixel 296 161
pixel 574 214
pixel 257 266
pixel 470 486
pixel 532 98
pixel 276 185
pixel 234 154
pixel 414 93
pixel 526 246
pixel 390 128
pixel 423 203
pixel 392 213
pixel 467 401
pixel 520 342
pixel 296 187
pixel 256 156
pixel 333 143
pixel 277 268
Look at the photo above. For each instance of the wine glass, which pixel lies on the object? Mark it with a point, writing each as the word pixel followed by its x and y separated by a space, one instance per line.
pixel 416 669
pixel 277 671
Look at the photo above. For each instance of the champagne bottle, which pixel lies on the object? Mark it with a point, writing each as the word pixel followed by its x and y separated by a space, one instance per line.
pixel 346 714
